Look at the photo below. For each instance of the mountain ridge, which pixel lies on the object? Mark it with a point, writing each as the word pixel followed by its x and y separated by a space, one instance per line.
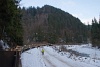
pixel 52 25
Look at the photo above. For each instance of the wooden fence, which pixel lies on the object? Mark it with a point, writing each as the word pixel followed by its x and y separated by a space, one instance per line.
pixel 10 59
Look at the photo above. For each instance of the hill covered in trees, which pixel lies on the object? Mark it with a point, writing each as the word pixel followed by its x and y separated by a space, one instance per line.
pixel 46 24
pixel 52 25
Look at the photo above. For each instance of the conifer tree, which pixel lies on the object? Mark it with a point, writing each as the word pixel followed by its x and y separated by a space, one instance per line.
pixel 95 33
pixel 10 21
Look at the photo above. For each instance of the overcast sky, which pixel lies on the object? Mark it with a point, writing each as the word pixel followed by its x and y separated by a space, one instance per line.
pixel 85 10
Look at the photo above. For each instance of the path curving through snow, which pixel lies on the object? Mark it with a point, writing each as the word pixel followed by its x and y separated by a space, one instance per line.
pixel 34 58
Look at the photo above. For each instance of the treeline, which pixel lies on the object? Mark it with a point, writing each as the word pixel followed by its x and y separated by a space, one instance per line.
pixel 50 24
pixel 95 33
pixel 46 24
pixel 10 25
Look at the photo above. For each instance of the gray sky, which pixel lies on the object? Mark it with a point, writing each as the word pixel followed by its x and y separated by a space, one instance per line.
pixel 85 10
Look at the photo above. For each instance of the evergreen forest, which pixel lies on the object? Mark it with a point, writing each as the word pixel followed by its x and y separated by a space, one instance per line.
pixel 20 26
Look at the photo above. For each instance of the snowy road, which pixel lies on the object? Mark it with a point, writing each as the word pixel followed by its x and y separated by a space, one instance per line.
pixel 34 58
pixel 56 60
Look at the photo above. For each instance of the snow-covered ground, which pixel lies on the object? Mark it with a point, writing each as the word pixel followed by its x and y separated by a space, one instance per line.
pixel 53 58
pixel 3 45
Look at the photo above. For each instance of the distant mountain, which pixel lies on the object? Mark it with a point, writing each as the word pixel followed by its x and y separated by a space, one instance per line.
pixel 53 25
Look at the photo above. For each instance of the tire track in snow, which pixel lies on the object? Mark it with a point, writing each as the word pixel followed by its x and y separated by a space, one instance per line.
pixel 45 58
pixel 60 60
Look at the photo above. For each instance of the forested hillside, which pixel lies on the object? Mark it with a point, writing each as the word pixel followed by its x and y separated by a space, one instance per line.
pixel 52 25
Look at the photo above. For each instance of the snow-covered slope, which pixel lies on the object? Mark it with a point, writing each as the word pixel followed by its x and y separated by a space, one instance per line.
pixel 51 58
